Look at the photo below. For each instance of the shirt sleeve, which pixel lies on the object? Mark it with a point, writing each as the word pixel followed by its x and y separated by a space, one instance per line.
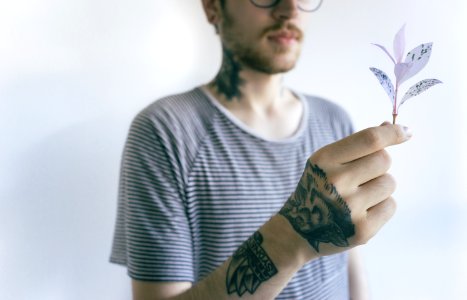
pixel 152 233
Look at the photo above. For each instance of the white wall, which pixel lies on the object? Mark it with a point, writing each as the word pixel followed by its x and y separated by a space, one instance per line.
pixel 74 73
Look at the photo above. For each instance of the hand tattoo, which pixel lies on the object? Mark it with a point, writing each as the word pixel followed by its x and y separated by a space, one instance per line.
pixel 250 266
pixel 317 211
pixel 228 81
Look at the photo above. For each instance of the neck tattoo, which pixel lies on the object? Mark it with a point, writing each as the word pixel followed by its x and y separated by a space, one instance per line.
pixel 228 81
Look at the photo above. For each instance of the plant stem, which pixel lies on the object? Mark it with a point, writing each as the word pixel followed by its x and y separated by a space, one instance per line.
pixel 394 111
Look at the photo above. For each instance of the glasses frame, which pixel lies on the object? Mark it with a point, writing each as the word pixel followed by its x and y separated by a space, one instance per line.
pixel 275 2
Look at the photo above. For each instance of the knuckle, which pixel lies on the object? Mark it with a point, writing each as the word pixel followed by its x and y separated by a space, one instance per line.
pixel 337 179
pixel 373 139
pixel 391 182
pixel 361 235
pixel 319 157
pixel 391 205
pixel 364 240
pixel 384 158
pixel 353 201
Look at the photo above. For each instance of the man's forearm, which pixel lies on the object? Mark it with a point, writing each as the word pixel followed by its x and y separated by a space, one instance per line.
pixel 260 268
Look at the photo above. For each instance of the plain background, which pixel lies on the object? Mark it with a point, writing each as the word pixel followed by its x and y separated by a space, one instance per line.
pixel 74 73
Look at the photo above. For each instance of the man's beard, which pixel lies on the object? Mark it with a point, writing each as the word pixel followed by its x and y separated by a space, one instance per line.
pixel 255 59
pixel 252 56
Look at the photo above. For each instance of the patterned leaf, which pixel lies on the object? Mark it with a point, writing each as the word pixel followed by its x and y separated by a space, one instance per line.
pixel 419 88
pixel 386 51
pixel 385 82
pixel 400 70
pixel 399 44
pixel 419 57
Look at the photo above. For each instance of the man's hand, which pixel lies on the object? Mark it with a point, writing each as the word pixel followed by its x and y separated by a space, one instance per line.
pixel 344 195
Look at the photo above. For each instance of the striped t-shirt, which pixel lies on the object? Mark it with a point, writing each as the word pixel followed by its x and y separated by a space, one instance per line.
pixel 196 182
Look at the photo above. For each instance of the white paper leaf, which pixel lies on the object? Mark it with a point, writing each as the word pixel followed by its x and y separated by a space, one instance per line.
pixel 386 51
pixel 399 45
pixel 419 88
pixel 385 82
pixel 419 57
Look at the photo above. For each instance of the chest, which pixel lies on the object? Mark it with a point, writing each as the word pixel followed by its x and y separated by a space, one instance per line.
pixel 244 176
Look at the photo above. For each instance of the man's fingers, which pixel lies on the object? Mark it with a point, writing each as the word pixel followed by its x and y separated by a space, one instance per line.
pixel 379 214
pixel 375 191
pixel 368 167
pixel 375 218
pixel 362 143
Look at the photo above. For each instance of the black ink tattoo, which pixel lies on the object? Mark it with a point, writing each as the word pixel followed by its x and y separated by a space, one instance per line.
pixel 250 266
pixel 228 81
pixel 317 211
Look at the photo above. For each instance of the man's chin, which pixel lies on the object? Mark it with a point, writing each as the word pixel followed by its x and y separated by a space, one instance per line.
pixel 271 62
pixel 272 69
pixel 283 62
pixel 279 65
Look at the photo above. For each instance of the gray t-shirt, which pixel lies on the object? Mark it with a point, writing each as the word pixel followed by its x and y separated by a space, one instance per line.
pixel 196 182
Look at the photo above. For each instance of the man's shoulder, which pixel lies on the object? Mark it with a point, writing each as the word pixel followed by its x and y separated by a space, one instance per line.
pixel 320 103
pixel 180 121
pixel 182 112
pixel 328 114
pixel 184 106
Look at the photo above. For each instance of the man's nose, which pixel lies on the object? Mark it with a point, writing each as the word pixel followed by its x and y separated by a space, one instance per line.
pixel 286 9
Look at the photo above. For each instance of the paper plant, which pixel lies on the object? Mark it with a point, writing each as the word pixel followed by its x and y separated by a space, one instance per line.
pixel 414 62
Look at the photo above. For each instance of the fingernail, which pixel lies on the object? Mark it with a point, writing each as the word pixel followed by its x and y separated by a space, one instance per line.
pixel 407 131
pixel 385 123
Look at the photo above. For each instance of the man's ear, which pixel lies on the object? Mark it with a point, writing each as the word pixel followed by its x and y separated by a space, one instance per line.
pixel 212 10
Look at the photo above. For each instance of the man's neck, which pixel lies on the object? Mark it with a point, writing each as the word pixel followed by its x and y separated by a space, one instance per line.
pixel 249 90
pixel 239 86
pixel 260 102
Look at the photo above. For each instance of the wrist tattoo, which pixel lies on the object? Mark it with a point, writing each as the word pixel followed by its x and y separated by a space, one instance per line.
pixel 250 266
pixel 317 212
pixel 228 81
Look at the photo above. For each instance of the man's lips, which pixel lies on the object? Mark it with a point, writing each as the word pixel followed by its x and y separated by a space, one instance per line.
pixel 284 37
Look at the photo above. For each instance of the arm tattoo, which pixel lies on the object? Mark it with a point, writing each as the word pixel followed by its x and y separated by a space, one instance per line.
pixel 317 211
pixel 250 266
pixel 228 81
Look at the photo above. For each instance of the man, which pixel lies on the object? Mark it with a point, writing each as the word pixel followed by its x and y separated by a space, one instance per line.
pixel 219 196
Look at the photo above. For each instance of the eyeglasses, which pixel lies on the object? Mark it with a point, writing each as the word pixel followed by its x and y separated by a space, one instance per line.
pixel 303 5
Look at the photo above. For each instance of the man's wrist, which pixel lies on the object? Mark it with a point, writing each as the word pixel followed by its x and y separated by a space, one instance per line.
pixel 284 244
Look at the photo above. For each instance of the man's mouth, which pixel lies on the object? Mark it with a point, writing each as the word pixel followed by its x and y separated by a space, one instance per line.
pixel 284 37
